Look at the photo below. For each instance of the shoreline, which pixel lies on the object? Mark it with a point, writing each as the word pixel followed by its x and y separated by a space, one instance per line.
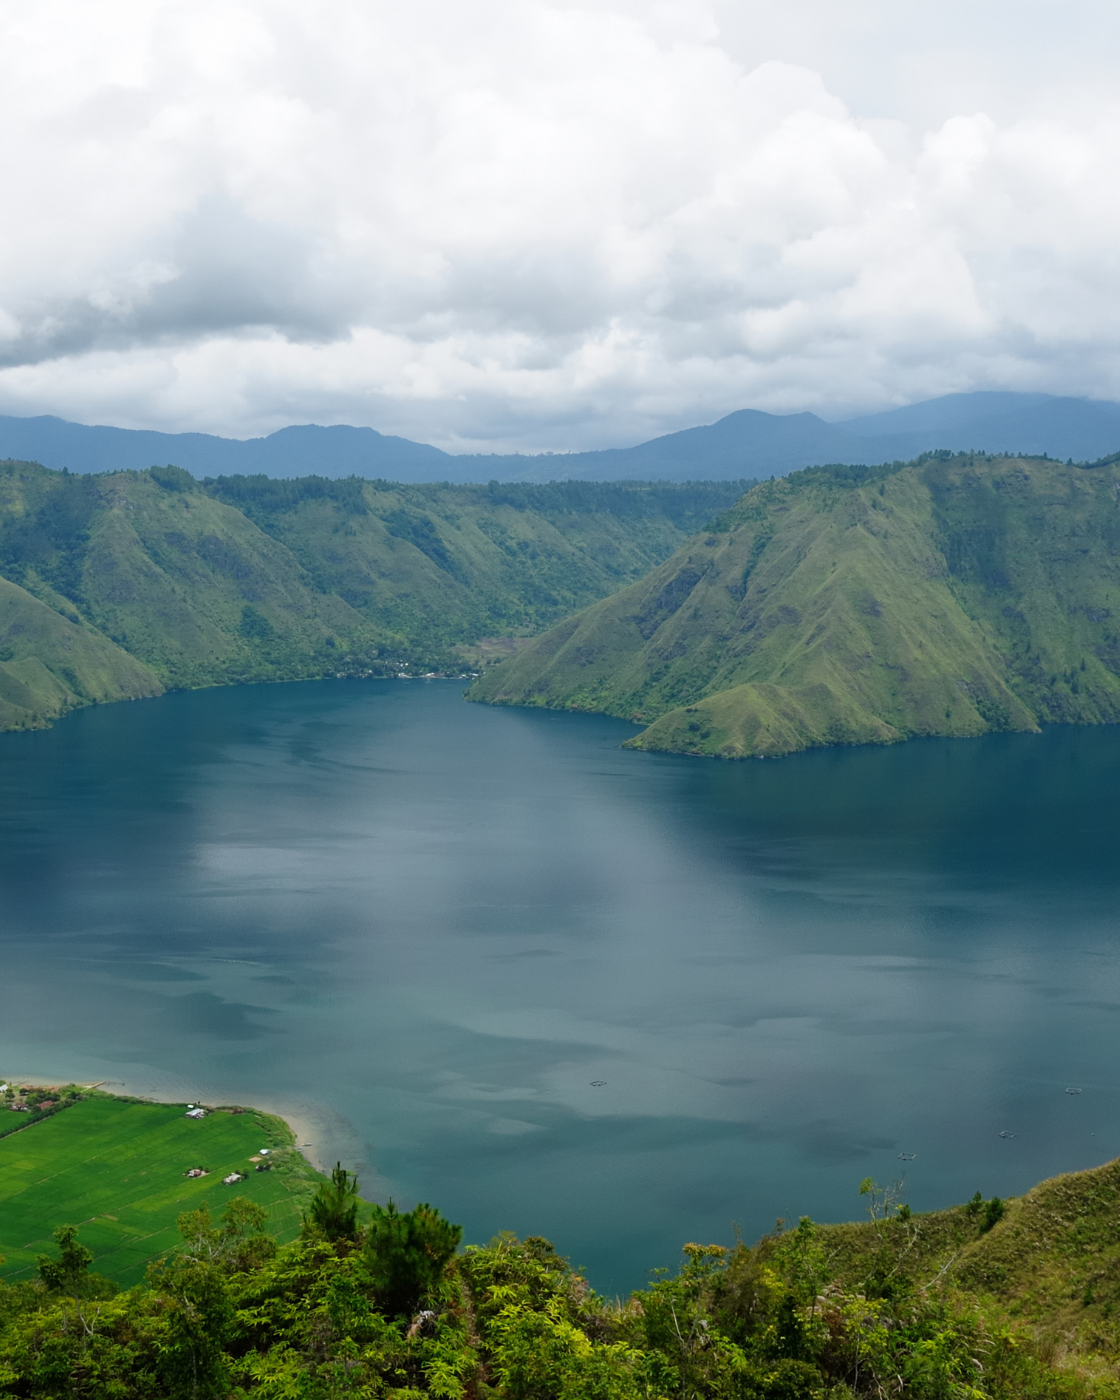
pixel 43 723
pixel 321 1135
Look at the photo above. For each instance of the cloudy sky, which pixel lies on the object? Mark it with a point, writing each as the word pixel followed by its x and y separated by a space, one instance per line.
pixel 543 224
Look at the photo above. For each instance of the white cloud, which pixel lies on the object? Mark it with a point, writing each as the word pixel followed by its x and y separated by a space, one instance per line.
pixel 533 222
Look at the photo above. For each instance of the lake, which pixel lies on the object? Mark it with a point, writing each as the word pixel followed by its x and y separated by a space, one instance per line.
pixel 622 1000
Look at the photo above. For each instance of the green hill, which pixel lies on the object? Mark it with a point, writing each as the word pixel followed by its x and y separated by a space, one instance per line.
pixel 50 662
pixel 130 582
pixel 186 585
pixel 951 595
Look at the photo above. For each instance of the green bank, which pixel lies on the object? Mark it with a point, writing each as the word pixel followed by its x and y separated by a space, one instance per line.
pixel 954 595
pixel 126 584
pixel 117 1169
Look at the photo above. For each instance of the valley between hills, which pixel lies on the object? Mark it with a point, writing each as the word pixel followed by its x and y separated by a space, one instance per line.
pixel 127 584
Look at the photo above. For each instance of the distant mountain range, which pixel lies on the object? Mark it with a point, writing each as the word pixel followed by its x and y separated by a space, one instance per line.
pixel 744 444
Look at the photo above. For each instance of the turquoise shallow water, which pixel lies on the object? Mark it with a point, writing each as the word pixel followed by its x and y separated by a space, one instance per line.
pixel 443 922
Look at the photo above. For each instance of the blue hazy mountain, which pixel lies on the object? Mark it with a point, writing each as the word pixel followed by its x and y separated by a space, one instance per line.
pixel 296 451
pixel 748 443
pixel 1030 424
pixel 751 443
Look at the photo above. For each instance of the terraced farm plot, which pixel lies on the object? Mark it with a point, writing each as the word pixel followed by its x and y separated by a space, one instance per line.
pixel 116 1170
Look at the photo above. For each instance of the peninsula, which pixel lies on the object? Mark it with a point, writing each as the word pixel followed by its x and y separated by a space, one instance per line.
pixel 953 595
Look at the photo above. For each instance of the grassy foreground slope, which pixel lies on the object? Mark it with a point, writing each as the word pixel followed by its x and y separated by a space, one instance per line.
pixel 991 1300
pixel 953 595
pixel 116 1169
pixel 1047 1262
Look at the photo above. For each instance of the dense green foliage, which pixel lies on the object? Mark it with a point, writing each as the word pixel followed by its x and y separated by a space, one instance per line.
pixel 119 1166
pixel 951 1306
pixel 952 595
pixel 407 1254
pixel 333 1210
pixel 125 584
pixel 288 1285
pixel 69 1274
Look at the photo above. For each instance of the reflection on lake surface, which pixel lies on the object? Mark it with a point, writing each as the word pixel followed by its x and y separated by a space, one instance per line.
pixel 445 922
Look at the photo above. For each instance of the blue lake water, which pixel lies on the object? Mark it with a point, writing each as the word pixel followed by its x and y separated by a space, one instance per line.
pixel 442 922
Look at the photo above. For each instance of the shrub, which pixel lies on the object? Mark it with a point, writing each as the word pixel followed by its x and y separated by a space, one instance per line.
pixel 407 1254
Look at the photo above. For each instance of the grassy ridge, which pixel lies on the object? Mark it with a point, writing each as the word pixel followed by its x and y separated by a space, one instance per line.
pixel 115 1168
pixel 955 595
pixel 1050 1264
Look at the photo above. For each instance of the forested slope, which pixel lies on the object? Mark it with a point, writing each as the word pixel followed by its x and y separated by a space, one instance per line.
pixel 991 1300
pixel 952 595
pixel 126 583
pixel 183 583
pixel 440 564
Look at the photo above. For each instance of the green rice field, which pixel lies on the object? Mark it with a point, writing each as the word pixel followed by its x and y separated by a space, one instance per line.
pixel 115 1168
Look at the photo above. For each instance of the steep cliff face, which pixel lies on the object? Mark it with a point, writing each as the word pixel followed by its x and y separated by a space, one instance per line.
pixel 840 605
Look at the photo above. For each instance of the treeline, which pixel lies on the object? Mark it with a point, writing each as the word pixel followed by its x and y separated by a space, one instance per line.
pixel 375 1302
pixel 689 505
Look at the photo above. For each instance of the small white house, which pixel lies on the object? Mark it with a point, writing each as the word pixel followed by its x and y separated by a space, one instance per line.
pixel 196 1113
